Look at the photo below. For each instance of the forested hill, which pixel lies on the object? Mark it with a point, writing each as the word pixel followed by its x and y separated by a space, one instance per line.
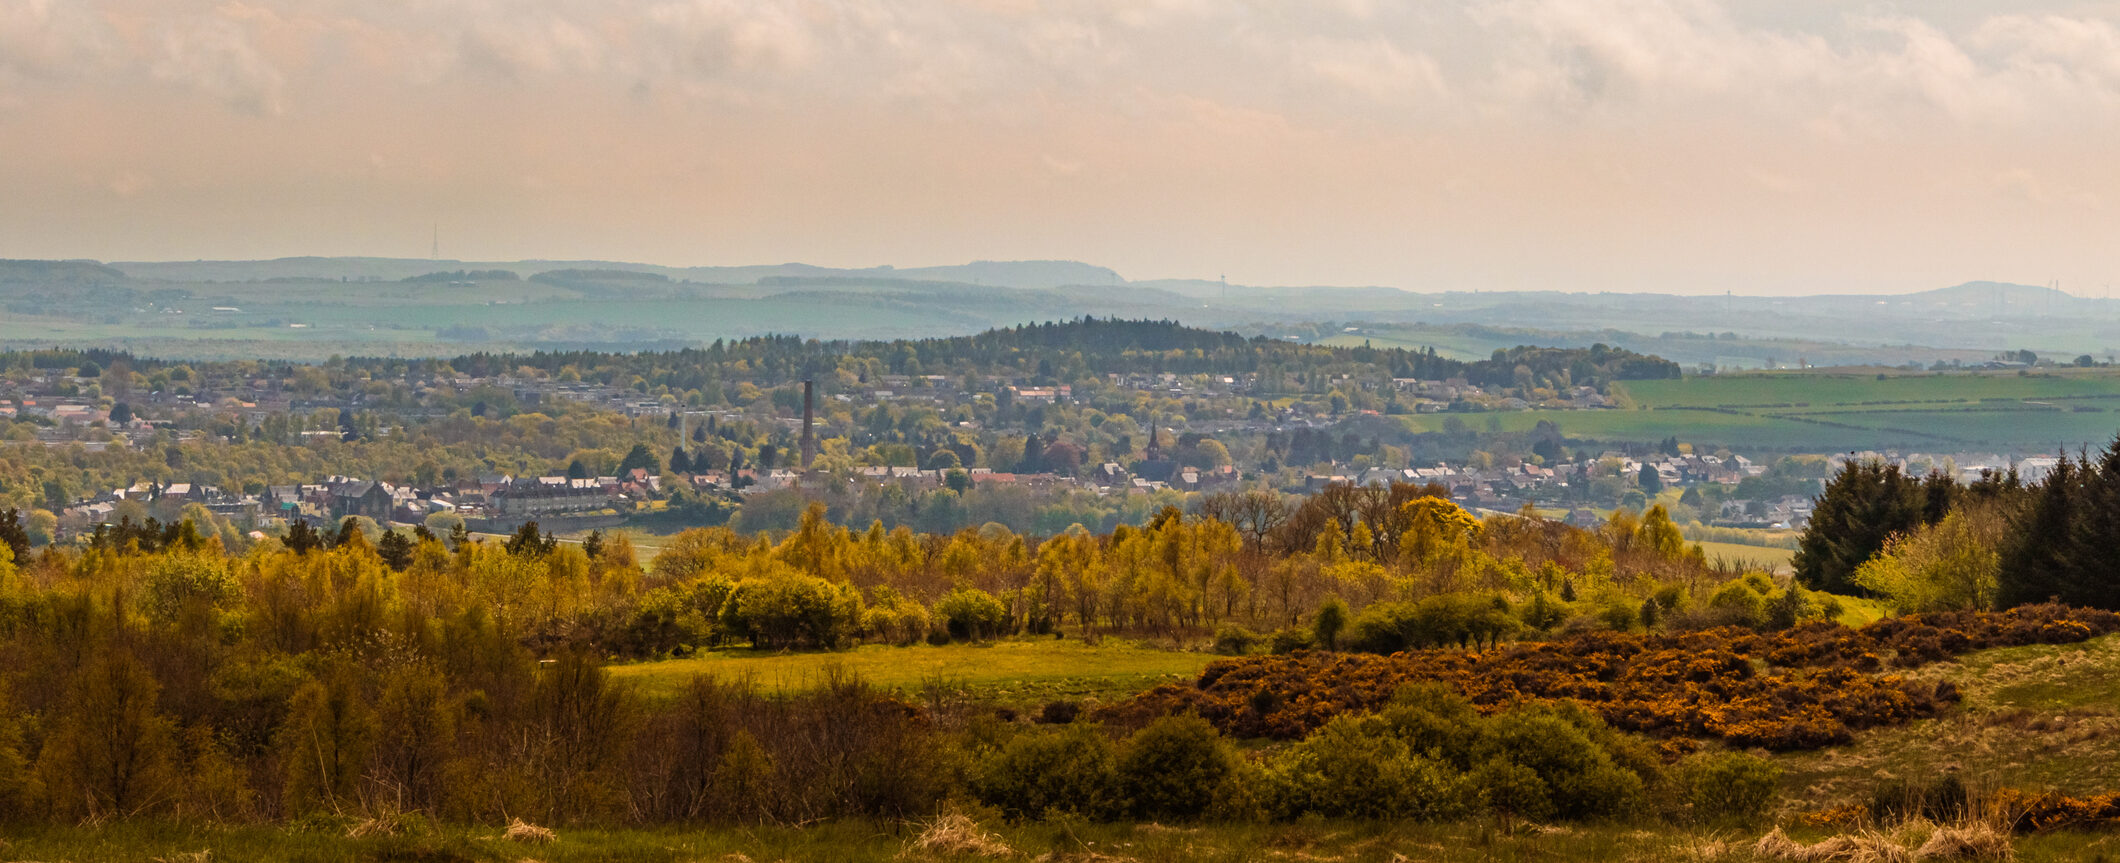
pixel 1070 350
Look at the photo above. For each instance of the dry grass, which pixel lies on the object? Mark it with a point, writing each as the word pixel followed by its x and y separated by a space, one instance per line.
pixel 524 831
pixel 956 834
pixel 1860 847
pixel 1909 842
pixel 1976 841
pixel 373 828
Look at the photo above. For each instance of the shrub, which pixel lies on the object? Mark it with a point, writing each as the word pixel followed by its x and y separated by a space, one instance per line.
pixel 1354 768
pixel 1580 777
pixel 178 582
pixel 1728 786
pixel 1331 618
pixel 786 610
pixel 1290 640
pixel 1737 603
pixel 1511 789
pixel 1618 613
pixel 895 619
pixel 969 614
pixel 1059 712
pixel 1174 768
pixel 1070 769
pixel 1235 641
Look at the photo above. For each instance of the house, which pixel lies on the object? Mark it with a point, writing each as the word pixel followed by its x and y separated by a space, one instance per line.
pixel 360 497
pixel 551 495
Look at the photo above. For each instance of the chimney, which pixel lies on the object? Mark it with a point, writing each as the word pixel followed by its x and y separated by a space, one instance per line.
pixel 809 434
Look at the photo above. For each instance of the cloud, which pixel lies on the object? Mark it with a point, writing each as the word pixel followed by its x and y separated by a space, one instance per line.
pixel 215 56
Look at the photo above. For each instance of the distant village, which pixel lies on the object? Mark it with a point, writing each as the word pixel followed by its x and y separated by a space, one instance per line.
pixel 497 501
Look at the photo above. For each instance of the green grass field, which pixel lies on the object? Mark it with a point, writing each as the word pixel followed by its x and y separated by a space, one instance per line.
pixel 1762 557
pixel 1023 672
pixel 1839 411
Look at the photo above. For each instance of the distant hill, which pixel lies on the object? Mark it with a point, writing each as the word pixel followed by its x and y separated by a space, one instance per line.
pixel 1008 274
pixel 412 305
pixel 50 272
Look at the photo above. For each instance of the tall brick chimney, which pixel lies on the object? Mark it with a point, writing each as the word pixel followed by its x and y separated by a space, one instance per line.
pixel 809 421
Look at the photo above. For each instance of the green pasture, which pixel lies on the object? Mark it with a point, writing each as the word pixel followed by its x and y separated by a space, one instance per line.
pixel 1838 412
pixel 1817 389
pixel 1026 672
pixel 1752 556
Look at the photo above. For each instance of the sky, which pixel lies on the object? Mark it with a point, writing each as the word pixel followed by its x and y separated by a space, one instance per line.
pixel 1685 146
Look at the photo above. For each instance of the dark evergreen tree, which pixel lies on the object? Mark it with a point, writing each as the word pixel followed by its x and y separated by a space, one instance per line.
pixel 593 544
pixel 577 470
pixel 680 463
pixel 1862 507
pixel 638 457
pixel 1651 482
pixel 301 538
pixel 527 541
pixel 395 550
pixel 2037 557
pixel 349 532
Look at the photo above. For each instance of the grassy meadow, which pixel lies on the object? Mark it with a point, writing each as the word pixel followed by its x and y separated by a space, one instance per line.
pixel 2036 717
pixel 1775 560
pixel 1024 672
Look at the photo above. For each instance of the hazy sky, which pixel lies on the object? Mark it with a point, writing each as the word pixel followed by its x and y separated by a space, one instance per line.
pixel 1773 146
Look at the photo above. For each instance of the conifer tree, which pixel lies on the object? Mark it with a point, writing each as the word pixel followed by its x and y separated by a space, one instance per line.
pixel 1862 507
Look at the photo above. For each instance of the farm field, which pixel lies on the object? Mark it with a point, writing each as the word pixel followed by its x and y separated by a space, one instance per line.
pixel 1023 672
pixel 1774 560
pixel 1842 411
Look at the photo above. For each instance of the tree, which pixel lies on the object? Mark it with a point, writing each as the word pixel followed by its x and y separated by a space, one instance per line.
pixel 395 549
pixel 1651 482
pixel 14 533
pixel 325 742
pixel 121 413
pixel 1863 506
pixel 301 538
pixel 111 752
pixel 680 463
pixel 1331 620
pixel 638 457
pixel 528 542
